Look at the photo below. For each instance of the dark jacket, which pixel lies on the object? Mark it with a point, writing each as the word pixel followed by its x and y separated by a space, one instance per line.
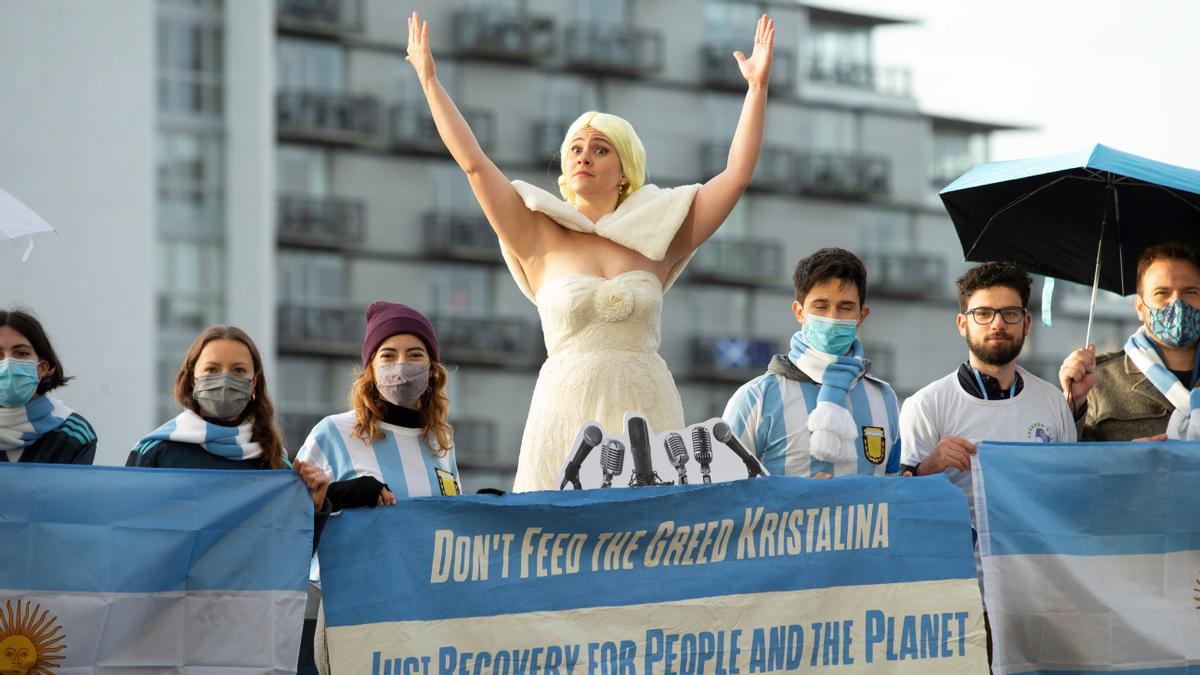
pixel 1123 405
pixel 73 442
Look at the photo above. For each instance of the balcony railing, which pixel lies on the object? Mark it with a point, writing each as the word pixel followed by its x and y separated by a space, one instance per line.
pixel 614 50
pixel 734 359
pixel 475 444
pixel 489 340
pixel 721 69
pixel 331 118
pixel 332 223
pixel 413 130
pixel 844 175
pixel 548 136
pixel 889 81
pixel 323 17
pixel 739 261
pixel 905 275
pixel 504 35
pixel 320 330
pixel 460 236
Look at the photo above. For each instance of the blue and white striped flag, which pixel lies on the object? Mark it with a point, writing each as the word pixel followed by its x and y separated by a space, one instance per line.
pixel 1091 555
pixel 116 570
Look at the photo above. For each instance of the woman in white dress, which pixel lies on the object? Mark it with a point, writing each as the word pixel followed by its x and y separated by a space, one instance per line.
pixel 597 264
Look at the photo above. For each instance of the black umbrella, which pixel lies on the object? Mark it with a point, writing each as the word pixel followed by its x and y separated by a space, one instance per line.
pixel 1084 217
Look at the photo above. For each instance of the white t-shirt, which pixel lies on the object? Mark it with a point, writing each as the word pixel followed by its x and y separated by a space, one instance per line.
pixel 1039 413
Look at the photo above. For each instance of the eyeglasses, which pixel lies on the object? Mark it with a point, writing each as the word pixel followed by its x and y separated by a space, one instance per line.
pixel 985 315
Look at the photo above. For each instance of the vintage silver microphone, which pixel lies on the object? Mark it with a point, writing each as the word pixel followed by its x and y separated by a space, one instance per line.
pixel 702 448
pixel 612 460
pixel 678 453
pixel 592 435
pixel 723 433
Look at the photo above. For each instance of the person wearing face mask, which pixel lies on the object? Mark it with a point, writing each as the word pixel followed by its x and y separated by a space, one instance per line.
pixel 396 441
pixel 1144 391
pixel 817 411
pixel 35 427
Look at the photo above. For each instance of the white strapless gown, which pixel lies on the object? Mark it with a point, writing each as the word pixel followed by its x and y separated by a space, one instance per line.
pixel 602 339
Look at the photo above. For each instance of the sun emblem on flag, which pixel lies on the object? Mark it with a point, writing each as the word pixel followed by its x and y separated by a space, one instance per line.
pixel 29 642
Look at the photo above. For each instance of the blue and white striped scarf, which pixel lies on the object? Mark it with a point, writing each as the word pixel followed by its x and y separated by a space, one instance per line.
pixel 1145 356
pixel 833 429
pixel 22 426
pixel 233 443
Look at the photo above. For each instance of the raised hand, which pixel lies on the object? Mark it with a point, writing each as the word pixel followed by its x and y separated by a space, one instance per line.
pixel 757 68
pixel 418 48
pixel 1078 375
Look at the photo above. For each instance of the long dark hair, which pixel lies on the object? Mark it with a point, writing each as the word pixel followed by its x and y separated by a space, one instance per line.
pixel 24 322
pixel 260 408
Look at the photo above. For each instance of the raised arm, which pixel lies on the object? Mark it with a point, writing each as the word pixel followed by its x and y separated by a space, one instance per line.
pixel 513 223
pixel 720 194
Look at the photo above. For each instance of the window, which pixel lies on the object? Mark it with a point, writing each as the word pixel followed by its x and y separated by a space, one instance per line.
pixel 725 21
pixel 302 170
pixel 564 98
pixel 450 191
pixel 720 312
pixel 460 289
pixel 306 65
pixel 840 54
pixel 190 53
pixel 190 282
pixel 834 130
pixel 886 232
pixel 191 183
pixel 312 279
pixel 954 152
pixel 609 13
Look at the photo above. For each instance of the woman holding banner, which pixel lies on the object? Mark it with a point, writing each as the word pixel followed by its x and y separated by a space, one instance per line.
pixel 396 439
pixel 597 264
pixel 228 420
pixel 35 427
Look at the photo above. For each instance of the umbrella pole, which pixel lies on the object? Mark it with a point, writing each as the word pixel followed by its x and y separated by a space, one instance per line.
pixel 1109 188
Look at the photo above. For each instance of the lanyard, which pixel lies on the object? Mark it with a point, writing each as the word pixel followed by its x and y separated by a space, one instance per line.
pixel 1012 388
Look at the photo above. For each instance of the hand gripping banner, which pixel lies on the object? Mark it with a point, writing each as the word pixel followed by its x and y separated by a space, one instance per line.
pixel 767 575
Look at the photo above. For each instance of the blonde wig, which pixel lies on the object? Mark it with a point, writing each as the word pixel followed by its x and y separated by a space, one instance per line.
pixel 624 139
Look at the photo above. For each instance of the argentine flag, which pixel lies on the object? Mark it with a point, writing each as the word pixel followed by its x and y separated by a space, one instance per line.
pixel 117 570
pixel 1091 555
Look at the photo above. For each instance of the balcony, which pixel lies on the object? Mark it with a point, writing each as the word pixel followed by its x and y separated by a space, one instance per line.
pixel 326 118
pixel 503 35
pixel 721 69
pixel 614 49
pixel 888 81
pixel 747 262
pixel 905 275
pixel 319 17
pixel 548 137
pixel 321 223
pixel 413 130
pixel 730 359
pixel 475 444
pixel 460 236
pixel 490 341
pixel 845 176
pixel 325 331
pixel 776 170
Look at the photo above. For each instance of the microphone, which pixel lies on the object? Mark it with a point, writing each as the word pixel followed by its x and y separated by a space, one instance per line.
pixel 639 447
pixel 592 435
pixel 612 460
pixel 702 447
pixel 723 433
pixel 678 453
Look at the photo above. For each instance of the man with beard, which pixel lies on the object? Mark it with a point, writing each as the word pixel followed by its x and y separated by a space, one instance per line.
pixel 989 397
pixel 1142 392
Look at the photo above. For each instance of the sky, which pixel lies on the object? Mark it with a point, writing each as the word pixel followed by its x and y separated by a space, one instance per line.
pixel 1122 73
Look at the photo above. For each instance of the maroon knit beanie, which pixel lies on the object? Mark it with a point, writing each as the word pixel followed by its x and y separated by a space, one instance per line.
pixel 385 319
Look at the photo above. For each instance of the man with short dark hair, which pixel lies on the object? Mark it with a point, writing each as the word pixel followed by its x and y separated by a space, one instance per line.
pixel 1142 391
pixel 989 397
pixel 817 411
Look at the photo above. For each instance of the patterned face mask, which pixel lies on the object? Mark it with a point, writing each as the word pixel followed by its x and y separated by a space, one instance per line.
pixel 402 383
pixel 1176 325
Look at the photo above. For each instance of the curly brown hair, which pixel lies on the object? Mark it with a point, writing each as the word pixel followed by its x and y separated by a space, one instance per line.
pixel 434 405
pixel 990 274
pixel 260 409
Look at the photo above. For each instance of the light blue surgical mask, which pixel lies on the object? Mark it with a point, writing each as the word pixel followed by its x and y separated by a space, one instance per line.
pixel 1176 325
pixel 18 382
pixel 832 336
